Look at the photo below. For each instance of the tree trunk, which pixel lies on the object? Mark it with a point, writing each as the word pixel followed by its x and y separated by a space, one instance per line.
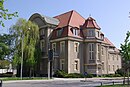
pixel 128 75
pixel 30 73
pixel 124 78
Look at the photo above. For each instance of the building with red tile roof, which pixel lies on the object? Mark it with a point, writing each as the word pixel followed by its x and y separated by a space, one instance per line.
pixel 78 45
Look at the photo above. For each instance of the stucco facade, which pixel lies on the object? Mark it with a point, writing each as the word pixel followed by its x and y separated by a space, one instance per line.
pixel 78 45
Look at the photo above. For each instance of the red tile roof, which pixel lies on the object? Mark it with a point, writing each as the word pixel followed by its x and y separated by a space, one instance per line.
pixel 106 40
pixel 91 23
pixel 71 18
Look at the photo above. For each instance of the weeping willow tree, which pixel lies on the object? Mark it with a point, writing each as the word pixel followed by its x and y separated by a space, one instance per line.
pixel 125 53
pixel 27 37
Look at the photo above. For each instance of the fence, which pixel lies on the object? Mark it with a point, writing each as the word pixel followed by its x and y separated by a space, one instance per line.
pixel 0 83
pixel 111 83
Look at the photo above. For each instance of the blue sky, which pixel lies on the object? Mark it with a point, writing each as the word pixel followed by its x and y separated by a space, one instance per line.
pixel 111 15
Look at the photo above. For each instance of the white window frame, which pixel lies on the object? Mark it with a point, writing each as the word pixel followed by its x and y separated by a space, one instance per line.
pixel 76 46
pixel 76 65
pixel 91 51
pixel 54 47
pixel 75 31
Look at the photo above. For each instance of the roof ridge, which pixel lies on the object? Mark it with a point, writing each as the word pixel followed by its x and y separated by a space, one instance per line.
pixel 70 17
pixel 63 13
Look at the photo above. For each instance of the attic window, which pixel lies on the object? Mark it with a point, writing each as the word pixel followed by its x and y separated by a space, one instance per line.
pixel 59 32
pixel 75 31
pixel 91 33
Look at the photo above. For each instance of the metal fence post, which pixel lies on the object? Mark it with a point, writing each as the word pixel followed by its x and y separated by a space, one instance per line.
pixel 113 82
pixel 101 84
pixel 0 83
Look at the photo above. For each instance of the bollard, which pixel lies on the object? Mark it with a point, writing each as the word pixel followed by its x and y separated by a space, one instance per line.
pixel 0 83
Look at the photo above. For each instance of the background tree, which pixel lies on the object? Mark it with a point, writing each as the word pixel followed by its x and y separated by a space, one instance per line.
pixel 125 53
pixel 30 33
pixel 4 14
pixel 6 50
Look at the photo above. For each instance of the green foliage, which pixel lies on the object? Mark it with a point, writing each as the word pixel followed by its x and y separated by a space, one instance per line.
pixel 4 13
pixel 4 64
pixel 6 48
pixel 125 48
pixel 63 74
pixel 60 74
pixel 112 75
pixel 26 36
pixel 120 72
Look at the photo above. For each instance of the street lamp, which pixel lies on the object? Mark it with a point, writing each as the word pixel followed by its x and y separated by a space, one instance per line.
pixel 21 72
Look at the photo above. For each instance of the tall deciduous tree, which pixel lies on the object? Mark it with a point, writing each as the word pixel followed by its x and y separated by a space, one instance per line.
pixel 29 32
pixel 6 50
pixel 4 14
pixel 125 53
pixel 4 46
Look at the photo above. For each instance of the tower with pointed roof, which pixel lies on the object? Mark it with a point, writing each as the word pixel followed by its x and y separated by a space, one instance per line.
pixel 78 44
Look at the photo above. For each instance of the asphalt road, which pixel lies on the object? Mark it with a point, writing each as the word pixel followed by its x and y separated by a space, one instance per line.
pixel 57 83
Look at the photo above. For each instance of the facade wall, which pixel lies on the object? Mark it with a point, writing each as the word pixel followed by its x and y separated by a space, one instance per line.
pixel 114 62
pixel 73 52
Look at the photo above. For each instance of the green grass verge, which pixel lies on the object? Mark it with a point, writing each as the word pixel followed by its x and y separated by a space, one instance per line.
pixel 24 78
pixel 114 86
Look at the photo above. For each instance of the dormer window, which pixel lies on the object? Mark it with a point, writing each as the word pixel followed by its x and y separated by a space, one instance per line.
pixel 59 32
pixel 91 33
pixel 98 34
pixel 75 31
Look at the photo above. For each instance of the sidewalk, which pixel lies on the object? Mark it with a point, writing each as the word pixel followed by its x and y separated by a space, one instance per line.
pixel 65 79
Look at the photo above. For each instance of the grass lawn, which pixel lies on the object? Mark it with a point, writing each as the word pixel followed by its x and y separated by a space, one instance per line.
pixel 115 86
pixel 24 78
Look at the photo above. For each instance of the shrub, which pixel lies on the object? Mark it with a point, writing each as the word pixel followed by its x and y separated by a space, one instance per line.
pixel 74 75
pixel 89 76
pixel 63 74
pixel 120 72
pixel 60 73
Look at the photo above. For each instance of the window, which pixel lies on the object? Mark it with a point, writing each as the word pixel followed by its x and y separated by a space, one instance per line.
pixel 117 66
pixel 76 65
pixel 102 66
pixel 113 68
pixel 76 46
pixel 98 50
pixel 113 56
pixel 62 46
pixel 75 32
pixel 54 47
pixel 59 32
pixel 102 51
pixel 98 34
pixel 109 68
pixel 108 56
pixel 91 33
pixel 62 62
pixel 42 45
pixel 42 32
pixel 91 51
pixel 102 37
pixel 117 57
